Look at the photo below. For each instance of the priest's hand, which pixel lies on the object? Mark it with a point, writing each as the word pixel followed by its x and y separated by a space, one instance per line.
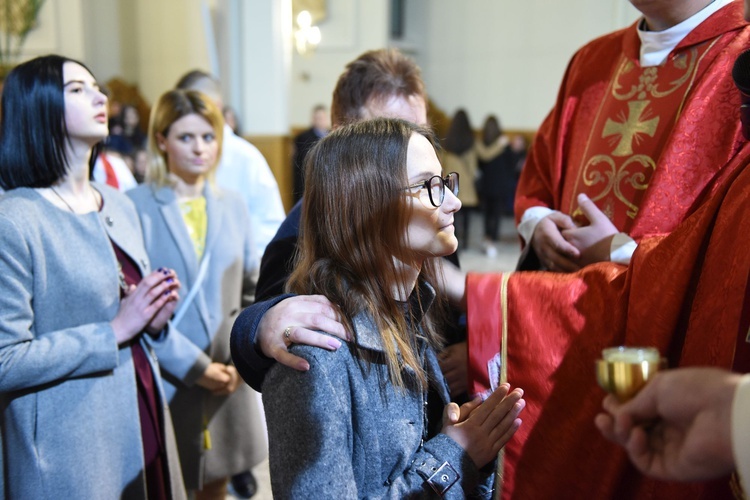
pixel 554 252
pixel 678 428
pixel 592 241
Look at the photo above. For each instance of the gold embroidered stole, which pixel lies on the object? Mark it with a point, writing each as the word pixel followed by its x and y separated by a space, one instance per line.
pixel 632 125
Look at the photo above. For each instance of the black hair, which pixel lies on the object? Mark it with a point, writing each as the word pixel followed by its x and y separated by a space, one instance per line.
pixel 33 134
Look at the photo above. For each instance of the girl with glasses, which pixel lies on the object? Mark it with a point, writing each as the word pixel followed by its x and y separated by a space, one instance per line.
pixel 373 418
pixel 80 310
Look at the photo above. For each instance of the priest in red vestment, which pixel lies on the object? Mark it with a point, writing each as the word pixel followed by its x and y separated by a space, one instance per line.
pixel 659 150
pixel 646 142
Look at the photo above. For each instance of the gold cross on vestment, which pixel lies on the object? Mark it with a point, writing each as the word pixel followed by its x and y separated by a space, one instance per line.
pixel 628 129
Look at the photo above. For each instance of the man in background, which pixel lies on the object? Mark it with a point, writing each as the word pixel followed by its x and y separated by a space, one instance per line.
pixel 304 142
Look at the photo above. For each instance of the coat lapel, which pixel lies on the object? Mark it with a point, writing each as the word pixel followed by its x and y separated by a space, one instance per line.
pixel 125 235
pixel 214 217
pixel 214 213
pixel 170 210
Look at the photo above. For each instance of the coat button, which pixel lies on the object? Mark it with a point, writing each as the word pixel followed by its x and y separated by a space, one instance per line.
pixel 109 220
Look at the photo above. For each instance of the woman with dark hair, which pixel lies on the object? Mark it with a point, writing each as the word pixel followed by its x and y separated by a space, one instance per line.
pixel 497 162
pixel 373 418
pixel 204 234
pixel 80 392
pixel 459 156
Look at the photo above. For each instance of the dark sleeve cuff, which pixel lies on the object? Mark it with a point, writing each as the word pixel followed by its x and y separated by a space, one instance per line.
pixel 251 364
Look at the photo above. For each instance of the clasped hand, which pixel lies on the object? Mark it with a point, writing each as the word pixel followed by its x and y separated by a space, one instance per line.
pixel 563 246
pixel 220 379
pixel 147 306
pixel 483 428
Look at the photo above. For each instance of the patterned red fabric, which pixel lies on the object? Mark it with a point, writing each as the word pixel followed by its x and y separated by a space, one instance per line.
pixel 580 147
pixel 683 293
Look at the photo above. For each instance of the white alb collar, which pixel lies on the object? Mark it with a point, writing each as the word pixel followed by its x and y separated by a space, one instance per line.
pixel 656 45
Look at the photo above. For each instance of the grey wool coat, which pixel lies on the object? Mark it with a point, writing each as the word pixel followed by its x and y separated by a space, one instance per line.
pixel 343 430
pixel 235 422
pixel 68 396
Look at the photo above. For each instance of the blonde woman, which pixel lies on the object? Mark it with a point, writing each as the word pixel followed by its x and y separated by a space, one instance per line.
pixel 204 234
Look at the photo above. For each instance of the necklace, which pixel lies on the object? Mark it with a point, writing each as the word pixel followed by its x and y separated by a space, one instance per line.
pixel 62 199
pixel 93 195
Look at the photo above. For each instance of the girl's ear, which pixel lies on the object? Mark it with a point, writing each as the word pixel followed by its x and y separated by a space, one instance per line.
pixel 161 141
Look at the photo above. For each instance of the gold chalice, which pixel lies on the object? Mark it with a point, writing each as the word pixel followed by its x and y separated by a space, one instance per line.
pixel 623 371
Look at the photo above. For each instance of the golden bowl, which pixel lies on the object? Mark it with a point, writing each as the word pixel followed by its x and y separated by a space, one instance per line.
pixel 625 370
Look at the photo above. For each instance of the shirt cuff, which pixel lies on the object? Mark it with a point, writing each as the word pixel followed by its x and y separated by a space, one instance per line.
pixel 621 249
pixel 530 219
pixel 741 431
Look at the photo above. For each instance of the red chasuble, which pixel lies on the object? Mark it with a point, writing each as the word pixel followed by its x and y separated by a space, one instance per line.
pixel 646 144
pixel 683 290
pixel 683 293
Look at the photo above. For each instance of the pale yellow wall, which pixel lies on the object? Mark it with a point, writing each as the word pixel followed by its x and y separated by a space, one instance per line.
pixel 60 30
pixel 489 56
pixel 507 57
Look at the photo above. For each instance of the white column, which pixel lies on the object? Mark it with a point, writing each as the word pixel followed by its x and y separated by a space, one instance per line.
pixel 263 66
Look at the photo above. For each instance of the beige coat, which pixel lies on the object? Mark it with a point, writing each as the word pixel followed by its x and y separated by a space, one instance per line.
pixel 466 166
pixel 235 423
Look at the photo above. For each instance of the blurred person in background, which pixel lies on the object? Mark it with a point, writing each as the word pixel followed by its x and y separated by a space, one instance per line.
pixel 303 142
pixel 460 156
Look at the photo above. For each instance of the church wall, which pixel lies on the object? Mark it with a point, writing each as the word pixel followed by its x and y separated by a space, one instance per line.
pixel 503 57
pixel 352 27
pixel 489 56
pixel 59 30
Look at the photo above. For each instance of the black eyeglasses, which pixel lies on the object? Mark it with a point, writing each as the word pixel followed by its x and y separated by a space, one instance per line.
pixel 435 187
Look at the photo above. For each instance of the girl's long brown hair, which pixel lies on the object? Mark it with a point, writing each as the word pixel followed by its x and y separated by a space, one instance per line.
pixel 354 221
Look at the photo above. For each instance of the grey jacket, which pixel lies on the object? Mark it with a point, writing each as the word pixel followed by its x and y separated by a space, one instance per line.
pixel 342 430
pixel 68 396
pixel 235 422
